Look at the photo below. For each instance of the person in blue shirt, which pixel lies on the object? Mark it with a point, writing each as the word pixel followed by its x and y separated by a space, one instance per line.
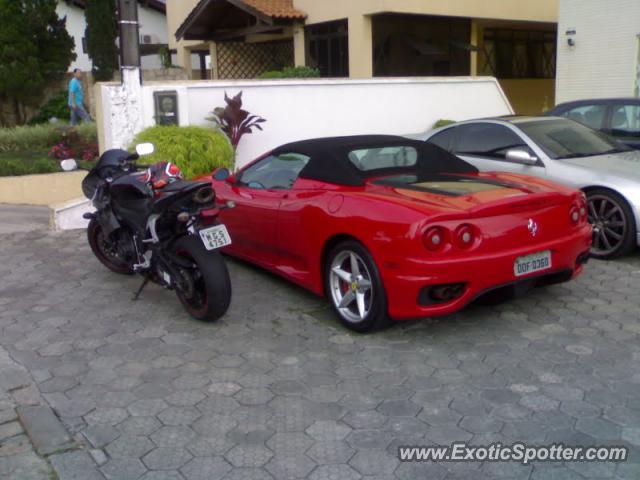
pixel 76 99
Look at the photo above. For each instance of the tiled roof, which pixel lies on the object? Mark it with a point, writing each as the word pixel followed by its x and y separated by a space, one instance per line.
pixel 275 8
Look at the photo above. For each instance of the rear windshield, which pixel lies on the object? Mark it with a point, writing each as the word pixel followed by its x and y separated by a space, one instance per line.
pixel 387 157
pixel 443 184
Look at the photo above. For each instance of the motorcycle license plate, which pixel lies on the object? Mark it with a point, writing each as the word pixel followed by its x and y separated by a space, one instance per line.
pixel 532 263
pixel 215 237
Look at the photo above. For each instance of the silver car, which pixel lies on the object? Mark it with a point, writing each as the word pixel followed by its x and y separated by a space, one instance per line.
pixel 565 151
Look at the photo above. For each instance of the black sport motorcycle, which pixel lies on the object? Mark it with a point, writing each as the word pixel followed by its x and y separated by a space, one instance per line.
pixel 148 220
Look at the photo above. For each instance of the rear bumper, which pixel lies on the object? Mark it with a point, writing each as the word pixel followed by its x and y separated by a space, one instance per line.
pixel 479 274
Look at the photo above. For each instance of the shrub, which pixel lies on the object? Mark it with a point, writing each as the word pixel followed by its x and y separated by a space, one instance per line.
pixel 291 72
pixel 196 150
pixel 56 107
pixel 43 136
pixel 443 123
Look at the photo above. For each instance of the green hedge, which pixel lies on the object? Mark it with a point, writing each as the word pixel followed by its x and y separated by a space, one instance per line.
pixel 292 72
pixel 42 136
pixel 196 150
pixel 26 163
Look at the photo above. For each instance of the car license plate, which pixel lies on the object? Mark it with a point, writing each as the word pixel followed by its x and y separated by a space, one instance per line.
pixel 535 262
pixel 215 237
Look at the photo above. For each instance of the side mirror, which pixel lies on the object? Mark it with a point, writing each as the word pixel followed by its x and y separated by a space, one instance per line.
pixel 224 175
pixel 69 165
pixel 221 174
pixel 143 149
pixel 520 156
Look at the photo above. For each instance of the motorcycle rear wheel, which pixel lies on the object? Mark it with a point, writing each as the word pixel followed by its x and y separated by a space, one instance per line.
pixel 100 248
pixel 211 286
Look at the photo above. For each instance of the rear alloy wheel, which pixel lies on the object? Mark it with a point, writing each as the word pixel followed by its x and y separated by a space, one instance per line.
pixel 205 290
pixel 613 224
pixel 354 288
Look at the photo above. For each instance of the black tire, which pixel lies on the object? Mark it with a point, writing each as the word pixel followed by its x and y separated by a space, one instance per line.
pixel 100 248
pixel 373 315
pixel 211 294
pixel 614 224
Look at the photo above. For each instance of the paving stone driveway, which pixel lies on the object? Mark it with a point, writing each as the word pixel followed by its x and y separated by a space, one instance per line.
pixel 278 390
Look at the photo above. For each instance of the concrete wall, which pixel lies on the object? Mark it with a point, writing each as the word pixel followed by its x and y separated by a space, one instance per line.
pixel 529 96
pixel 43 189
pixel 177 12
pixel 155 23
pixel 537 11
pixel 297 109
pixel 604 61
pixel 359 12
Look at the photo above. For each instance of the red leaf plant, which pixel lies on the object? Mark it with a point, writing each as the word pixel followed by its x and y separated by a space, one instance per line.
pixel 234 121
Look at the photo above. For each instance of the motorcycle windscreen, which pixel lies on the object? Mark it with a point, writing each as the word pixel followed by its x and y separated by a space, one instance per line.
pixel 90 184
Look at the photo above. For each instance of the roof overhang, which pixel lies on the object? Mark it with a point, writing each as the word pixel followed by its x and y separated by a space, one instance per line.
pixel 224 20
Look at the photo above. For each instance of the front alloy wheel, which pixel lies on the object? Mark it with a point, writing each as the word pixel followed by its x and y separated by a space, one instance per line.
pixel 354 288
pixel 613 226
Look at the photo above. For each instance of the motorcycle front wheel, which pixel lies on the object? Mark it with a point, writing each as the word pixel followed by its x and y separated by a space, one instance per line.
pixel 105 250
pixel 206 292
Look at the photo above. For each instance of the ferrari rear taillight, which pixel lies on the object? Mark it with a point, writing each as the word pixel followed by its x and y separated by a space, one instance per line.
pixel 465 236
pixel 578 212
pixel 461 237
pixel 575 215
pixel 435 238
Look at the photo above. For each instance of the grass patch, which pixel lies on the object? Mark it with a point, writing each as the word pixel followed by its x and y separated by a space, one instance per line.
pixel 35 137
pixel 31 162
pixel 26 162
pixel 24 150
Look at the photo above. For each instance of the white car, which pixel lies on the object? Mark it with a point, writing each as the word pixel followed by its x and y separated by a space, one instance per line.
pixel 565 151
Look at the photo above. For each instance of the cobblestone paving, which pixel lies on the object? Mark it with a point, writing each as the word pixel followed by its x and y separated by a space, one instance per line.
pixel 18 459
pixel 278 390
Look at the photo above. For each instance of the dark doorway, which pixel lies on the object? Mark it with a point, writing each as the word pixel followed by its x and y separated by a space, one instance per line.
pixel 419 45
pixel 328 48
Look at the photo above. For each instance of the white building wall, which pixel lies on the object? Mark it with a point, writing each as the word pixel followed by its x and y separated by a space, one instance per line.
pixel 603 63
pixel 151 22
pixel 301 109
pixel 154 23
pixel 75 26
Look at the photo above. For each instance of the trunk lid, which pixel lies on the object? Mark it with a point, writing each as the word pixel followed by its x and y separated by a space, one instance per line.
pixel 483 194
pixel 510 210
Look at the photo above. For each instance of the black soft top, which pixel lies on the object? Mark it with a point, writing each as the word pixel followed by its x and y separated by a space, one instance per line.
pixel 329 158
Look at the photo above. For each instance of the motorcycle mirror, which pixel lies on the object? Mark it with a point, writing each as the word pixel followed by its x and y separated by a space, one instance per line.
pixel 145 149
pixel 69 165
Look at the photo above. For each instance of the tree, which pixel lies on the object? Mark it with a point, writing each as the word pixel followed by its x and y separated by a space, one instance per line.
pixel 101 35
pixel 35 48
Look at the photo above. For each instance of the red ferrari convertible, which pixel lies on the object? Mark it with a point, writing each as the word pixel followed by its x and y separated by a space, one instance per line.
pixel 391 228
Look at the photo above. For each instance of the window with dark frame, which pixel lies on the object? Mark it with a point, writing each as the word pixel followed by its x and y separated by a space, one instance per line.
pixel 328 48
pixel 511 53
pixel 488 140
